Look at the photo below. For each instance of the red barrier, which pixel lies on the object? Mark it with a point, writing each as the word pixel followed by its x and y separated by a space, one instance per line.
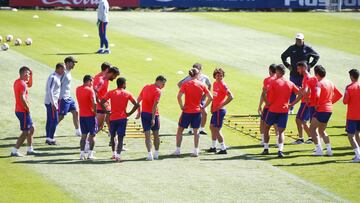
pixel 72 3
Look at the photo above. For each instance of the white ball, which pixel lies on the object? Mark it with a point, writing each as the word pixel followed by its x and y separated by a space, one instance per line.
pixel 0 39
pixel 28 41
pixel 17 42
pixel 5 47
pixel 9 38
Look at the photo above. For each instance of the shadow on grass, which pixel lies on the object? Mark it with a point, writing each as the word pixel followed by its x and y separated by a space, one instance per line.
pixel 314 163
pixel 75 53
pixel 9 138
pixel 56 148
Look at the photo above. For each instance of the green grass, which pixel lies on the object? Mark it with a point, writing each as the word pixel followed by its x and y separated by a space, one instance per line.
pixel 52 44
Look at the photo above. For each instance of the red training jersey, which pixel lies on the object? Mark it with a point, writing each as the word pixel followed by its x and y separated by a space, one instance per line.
pixel 266 83
pixel 279 92
pixel 306 77
pixel 327 95
pixel 101 87
pixel 220 91
pixel 119 99
pixel 312 85
pixel 86 97
pixel 193 90
pixel 352 99
pixel 150 94
pixel 20 88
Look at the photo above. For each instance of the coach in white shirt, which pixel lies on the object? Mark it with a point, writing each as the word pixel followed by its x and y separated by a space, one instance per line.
pixel 103 19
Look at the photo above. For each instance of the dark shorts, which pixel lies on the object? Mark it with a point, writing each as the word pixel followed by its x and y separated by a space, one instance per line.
pixel 352 126
pixel 146 122
pixel 66 106
pixel 118 127
pixel 303 114
pixel 25 120
pixel 217 118
pixel 322 117
pixel 193 119
pixel 88 125
pixel 280 119
pixel 100 111
pixel 312 111
pixel 264 113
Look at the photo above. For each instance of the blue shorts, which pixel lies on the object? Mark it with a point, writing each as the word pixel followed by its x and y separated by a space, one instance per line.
pixel 193 119
pixel 100 112
pixel 88 125
pixel 322 117
pixel 303 114
pixel 118 127
pixel 66 106
pixel 25 120
pixel 280 119
pixel 352 126
pixel 264 113
pixel 217 118
pixel 312 111
pixel 146 121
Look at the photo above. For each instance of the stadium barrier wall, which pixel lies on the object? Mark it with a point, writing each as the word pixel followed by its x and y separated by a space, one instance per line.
pixel 72 3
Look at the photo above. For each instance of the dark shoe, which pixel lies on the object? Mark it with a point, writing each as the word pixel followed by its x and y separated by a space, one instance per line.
pixel 299 141
pixel 48 142
pixel 265 152
pixel 53 143
pixel 280 154
pixel 222 152
pixel 31 153
pixel 203 133
pixel 309 141
pixel 211 150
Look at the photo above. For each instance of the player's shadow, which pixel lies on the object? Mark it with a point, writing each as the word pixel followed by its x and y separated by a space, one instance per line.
pixel 73 54
pixel 9 138
pixel 314 163
pixel 57 148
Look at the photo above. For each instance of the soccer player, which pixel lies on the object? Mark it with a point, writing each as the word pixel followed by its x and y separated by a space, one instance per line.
pixel 22 111
pixel 298 52
pixel 103 20
pixel 303 114
pixel 150 97
pixel 87 104
pixel 352 100
pixel 119 99
pixel 66 102
pixel 205 79
pixel 326 96
pixel 221 97
pixel 53 86
pixel 277 96
pixel 194 90
pixel 263 111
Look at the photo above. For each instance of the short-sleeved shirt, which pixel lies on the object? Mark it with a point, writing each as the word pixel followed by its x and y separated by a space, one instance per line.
pixel 327 95
pixel 306 77
pixel 193 90
pixel 119 99
pixel 101 87
pixel 352 99
pixel 86 97
pixel 203 78
pixel 220 91
pixel 312 85
pixel 150 94
pixel 65 91
pixel 266 83
pixel 279 92
pixel 20 88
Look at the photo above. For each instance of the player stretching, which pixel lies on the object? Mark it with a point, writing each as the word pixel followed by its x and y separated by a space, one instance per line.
pixel 352 100
pixel 87 104
pixel 327 95
pixel 222 96
pixel 191 111
pixel 66 102
pixel 103 20
pixel 150 97
pixel 22 111
pixel 277 96
pixel 263 111
pixel 53 86
pixel 119 99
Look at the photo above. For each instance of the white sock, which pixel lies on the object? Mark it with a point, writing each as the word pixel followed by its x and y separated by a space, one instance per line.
pixel 328 147
pixel 266 145
pixel 156 153
pixel 114 153
pixel 150 154
pixel 90 152
pixel 196 150
pixel 177 149
pixel 191 129
pixel 30 149
pixel 214 142
pixel 117 155
pixel 319 147
pixel 357 152
pixel 223 147
pixel 14 150
pixel 202 129
pixel 281 147
pixel 262 137
pixel 82 153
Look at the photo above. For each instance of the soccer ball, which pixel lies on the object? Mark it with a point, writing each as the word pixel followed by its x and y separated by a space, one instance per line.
pixel 28 41
pixel 0 39
pixel 17 42
pixel 9 38
pixel 5 47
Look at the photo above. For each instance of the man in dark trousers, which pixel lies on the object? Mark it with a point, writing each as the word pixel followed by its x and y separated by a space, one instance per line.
pixel 298 52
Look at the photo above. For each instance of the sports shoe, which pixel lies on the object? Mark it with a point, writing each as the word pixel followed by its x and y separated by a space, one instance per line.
pixel 280 154
pixel 298 141
pixel 118 159
pixel 291 112
pixel 190 132
pixel 82 157
pixel 16 154
pixel 194 154
pixel 48 142
pixel 107 51
pixel 124 149
pixel 113 157
pixel 329 153
pixel 211 150
pixel 202 132
pixel 91 157
pixel 156 156
pixel 32 152
pixel 222 152
pixel 265 152
pixel 356 160
pixel 100 51
pixel 318 153
pixel 149 158
pixel 176 153
pixel 309 141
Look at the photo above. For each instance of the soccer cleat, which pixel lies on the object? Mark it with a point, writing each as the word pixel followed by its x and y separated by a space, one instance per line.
pixel 222 152
pixel 107 51
pixel 91 157
pixel 265 152
pixel 194 154
pixel 100 51
pixel 318 153
pixel 280 154
pixel 190 132
pixel 176 153
pixel 211 150
pixel 298 141
pixel 329 153
pixel 113 157
pixel 309 141
pixel 356 160
pixel 202 132
pixel 16 154
pixel 48 142
pixel 118 159
pixel 82 157
pixel 32 152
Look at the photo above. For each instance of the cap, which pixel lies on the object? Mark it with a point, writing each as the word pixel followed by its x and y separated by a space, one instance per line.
pixel 299 36
pixel 70 59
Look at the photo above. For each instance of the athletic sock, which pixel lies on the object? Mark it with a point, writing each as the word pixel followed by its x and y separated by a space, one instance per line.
pixel 156 153
pixel 114 153
pixel 223 147
pixel 196 150
pixel 281 147
pixel 150 154
pixel 262 137
pixel 82 153
pixel 266 145
pixel 318 147
pixel 202 129
pixel 14 150
pixel 214 143
pixel 328 147
pixel 90 152
pixel 357 152
pixel 30 149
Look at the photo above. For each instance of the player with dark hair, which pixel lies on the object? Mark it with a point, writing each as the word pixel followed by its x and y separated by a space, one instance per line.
pixel 102 22
pixel 191 111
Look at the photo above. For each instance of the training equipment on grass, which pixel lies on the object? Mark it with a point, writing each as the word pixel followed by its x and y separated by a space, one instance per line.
pixel 28 41
pixel 35 16
pixel 5 47
pixel 134 129
pixel 9 38
pixel 17 42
